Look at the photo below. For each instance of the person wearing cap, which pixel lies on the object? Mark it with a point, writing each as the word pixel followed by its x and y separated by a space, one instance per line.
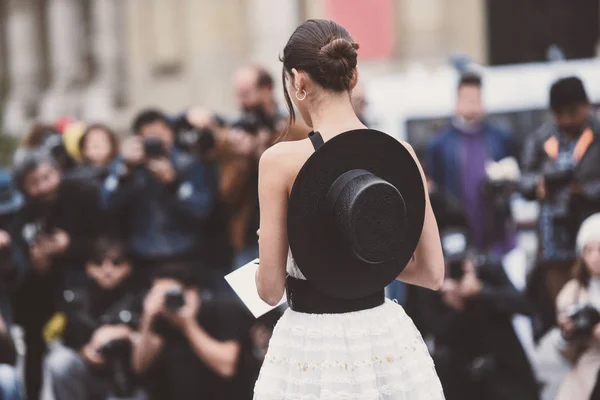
pixel 560 169
pixel 342 215
pixel 10 203
pixel 583 289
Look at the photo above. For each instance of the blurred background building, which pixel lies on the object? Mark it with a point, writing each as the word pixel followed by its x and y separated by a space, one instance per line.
pixel 103 59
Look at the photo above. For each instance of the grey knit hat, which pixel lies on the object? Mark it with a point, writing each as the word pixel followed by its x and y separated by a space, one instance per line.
pixel 588 232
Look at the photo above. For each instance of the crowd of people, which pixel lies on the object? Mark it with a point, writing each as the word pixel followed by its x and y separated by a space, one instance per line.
pixel 113 250
pixel 488 322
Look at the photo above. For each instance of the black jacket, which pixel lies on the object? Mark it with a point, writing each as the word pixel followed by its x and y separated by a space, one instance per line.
pixel 536 162
pixel 483 330
pixel 90 307
pixel 76 211
pixel 492 310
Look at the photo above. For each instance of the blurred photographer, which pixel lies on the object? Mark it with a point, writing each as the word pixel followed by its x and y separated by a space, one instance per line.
pixel 190 341
pixel 94 360
pixel 259 126
pixel 578 317
pixel 51 235
pixel 205 135
pixel 47 138
pixel 560 163
pixel 163 194
pixel 10 203
pixel 478 353
pixel 457 159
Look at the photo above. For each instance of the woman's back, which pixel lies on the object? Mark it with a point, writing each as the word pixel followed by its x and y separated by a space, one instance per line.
pixel 340 338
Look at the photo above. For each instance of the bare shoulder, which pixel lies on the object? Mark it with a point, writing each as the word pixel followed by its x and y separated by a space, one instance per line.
pixel 285 160
pixel 277 156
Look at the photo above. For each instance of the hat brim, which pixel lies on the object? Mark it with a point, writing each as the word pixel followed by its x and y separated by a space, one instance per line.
pixel 330 267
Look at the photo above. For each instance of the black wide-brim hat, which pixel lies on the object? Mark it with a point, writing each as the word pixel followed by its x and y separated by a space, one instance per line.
pixel 355 213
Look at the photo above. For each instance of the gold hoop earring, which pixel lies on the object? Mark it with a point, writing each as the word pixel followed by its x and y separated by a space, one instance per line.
pixel 298 97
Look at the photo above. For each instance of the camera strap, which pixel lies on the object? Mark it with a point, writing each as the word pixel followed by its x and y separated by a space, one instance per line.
pixel 552 145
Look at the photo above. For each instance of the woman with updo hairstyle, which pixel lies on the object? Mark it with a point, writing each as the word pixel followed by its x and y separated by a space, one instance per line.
pixel 340 338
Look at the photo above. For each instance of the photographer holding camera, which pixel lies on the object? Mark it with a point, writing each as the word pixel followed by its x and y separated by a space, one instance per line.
pixel 477 351
pixel 260 124
pixel 94 359
pixel 578 317
pixel 163 194
pixel 190 341
pixel 560 163
pixel 51 235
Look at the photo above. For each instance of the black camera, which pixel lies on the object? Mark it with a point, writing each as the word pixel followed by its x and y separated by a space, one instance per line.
pixel 32 231
pixel 584 317
pixel 154 148
pixel 174 299
pixel 117 356
pixel 249 123
pixel 200 140
pixel 497 195
pixel 556 180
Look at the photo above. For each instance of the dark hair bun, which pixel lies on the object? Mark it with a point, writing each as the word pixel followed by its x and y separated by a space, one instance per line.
pixel 337 61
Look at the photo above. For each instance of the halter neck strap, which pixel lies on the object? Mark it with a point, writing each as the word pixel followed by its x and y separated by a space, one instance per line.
pixel 316 139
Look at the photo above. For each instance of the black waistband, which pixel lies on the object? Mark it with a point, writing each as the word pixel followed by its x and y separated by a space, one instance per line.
pixel 303 297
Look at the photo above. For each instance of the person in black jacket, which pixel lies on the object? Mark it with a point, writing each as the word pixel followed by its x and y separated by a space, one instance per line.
pixel 476 350
pixel 52 235
pixel 502 370
pixel 560 169
pixel 100 316
pixel 470 320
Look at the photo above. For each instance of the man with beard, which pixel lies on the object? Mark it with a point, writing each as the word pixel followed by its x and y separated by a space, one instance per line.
pixel 560 164
pixel 51 234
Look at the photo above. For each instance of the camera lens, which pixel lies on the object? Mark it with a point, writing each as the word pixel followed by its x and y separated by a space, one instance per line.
pixel 174 299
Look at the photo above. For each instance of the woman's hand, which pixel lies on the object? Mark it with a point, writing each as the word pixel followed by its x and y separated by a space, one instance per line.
pixel 567 325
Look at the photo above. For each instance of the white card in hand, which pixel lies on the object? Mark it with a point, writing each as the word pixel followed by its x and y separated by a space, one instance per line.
pixel 243 283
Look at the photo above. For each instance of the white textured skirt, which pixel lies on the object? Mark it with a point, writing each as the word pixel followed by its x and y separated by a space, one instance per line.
pixel 374 354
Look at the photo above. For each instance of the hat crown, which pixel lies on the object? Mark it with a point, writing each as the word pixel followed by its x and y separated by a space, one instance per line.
pixel 355 213
pixel 368 215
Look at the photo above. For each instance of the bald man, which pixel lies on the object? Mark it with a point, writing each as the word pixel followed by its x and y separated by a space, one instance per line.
pixel 254 87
